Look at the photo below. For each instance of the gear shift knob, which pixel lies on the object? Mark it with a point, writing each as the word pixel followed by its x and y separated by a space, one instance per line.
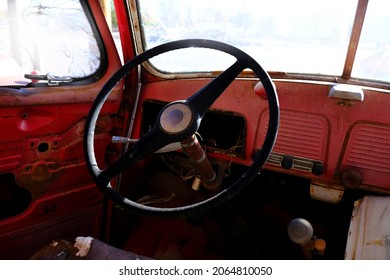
pixel 300 231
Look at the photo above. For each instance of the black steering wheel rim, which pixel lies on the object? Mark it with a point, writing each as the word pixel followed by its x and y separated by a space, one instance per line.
pixel 259 159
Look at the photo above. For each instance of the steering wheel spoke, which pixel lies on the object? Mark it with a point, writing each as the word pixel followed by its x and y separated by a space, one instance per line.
pixel 202 100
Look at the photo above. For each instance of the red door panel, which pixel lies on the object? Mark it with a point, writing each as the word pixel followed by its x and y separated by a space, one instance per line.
pixel 46 191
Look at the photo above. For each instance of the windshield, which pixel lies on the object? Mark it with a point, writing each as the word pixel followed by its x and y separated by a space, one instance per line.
pixel 303 36
pixel 41 37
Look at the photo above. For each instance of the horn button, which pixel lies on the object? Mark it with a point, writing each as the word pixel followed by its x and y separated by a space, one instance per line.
pixel 176 118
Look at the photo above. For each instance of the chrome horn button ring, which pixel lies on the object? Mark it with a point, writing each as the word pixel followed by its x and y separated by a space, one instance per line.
pixel 176 118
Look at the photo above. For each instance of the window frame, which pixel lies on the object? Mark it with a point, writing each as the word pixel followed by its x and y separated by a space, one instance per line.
pixel 85 80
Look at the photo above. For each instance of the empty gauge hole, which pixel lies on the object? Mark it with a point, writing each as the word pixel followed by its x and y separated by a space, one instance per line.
pixel 43 147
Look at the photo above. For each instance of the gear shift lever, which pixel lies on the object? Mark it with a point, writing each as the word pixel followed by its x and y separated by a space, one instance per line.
pixel 300 231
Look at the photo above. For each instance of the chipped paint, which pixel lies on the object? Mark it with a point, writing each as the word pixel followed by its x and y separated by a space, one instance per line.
pixel 369 233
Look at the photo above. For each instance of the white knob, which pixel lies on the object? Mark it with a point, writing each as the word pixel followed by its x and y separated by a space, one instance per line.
pixel 300 231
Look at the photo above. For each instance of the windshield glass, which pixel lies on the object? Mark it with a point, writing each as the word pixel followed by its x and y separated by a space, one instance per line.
pixel 303 36
pixel 41 37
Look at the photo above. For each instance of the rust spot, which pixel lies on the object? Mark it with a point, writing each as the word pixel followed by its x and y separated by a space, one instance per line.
pixel 375 242
pixel 38 177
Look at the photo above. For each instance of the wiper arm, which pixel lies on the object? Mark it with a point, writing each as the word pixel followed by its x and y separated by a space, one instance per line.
pixel 52 80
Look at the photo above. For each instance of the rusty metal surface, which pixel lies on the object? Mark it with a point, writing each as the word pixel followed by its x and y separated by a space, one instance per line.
pixel 355 36
pixel 201 163
pixel 369 233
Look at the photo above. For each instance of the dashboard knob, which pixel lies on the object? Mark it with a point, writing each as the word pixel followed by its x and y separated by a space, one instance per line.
pixel 351 179
pixel 287 162
pixel 317 169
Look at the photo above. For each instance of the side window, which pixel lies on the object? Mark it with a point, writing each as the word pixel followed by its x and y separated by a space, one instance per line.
pixel 45 36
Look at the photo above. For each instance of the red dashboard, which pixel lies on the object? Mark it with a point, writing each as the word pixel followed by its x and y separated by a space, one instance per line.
pixel 333 141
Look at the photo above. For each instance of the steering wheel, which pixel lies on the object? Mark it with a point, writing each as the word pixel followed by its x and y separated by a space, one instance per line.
pixel 177 122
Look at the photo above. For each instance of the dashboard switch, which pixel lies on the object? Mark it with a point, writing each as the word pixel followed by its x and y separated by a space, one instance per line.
pixel 317 169
pixel 287 162
pixel 351 179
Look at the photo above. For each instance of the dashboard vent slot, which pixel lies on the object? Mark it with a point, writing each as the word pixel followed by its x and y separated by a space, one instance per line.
pixel 369 148
pixel 300 134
